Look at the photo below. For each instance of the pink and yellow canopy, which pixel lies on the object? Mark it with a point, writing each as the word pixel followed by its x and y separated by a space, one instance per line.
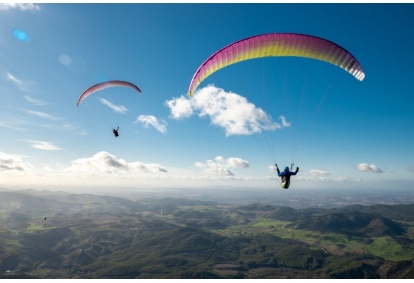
pixel 278 44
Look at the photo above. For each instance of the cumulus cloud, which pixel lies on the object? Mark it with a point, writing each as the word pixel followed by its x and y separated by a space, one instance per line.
pixel 43 145
pixel 106 163
pixel 116 108
pixel 228 110
pixel 21 84
pixel 365 167
pixel 19 6
pixel 221 166
pixel 180 107
pixel 11 163
pixel 147 167
pixel 149 120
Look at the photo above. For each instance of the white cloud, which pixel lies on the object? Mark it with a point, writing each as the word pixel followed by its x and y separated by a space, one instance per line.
pixel 149 120
pixel 328 179
pixel 10 126
pixel 235 162
pixel 101 169
pixel 220 166
pixel 272 168
pixel 318 172
pixel 147 167
pixel 84 132
pixel 12 78
pixel 19 6
pixel 21 84
pixel 43 145
pixel 180 107
pixel 365 167
pixel 34 101
pixel 55 123
pixel 285 123
pixel 116 108
pixel 12 163
pixel 43 115
pixel 228 110
pixel 106 163
pixel 199 164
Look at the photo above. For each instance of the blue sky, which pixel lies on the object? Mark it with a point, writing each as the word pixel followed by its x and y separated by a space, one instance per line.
pixel 341 132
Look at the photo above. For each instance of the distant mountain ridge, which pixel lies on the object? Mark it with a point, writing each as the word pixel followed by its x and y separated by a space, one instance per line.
pixel 354 223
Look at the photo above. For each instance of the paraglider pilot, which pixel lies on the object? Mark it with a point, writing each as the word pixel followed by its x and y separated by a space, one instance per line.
pixel 285 176
pixel 115 131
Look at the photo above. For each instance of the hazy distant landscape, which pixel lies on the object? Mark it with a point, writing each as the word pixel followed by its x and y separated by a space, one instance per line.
pixel 207 233
pixel 297 198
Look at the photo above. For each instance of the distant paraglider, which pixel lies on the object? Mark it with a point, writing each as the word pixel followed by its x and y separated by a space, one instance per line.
pixel 104 85
pixel 115 131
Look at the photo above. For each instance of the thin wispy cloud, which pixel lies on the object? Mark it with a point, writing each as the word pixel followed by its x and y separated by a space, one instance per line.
pixel 43 115
pixel 34 101
pixel 116 108
pixel 14 79
pixel 221 166
pixel 50 122
pixel 23 85
pixel 84 132
pixel 318 172
pixel 19 6
pixel 285 123
pixel 149 120
pixel 371 168
pixel 43 145
pixel 327 179
pixel 10 126
pixel 230 111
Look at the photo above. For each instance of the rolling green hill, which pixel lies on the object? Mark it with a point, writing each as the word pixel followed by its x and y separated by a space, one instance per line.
pixel 89 236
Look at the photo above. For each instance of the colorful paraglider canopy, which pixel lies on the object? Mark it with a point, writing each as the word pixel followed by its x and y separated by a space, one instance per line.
pixel 104 85
pixel 274 45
